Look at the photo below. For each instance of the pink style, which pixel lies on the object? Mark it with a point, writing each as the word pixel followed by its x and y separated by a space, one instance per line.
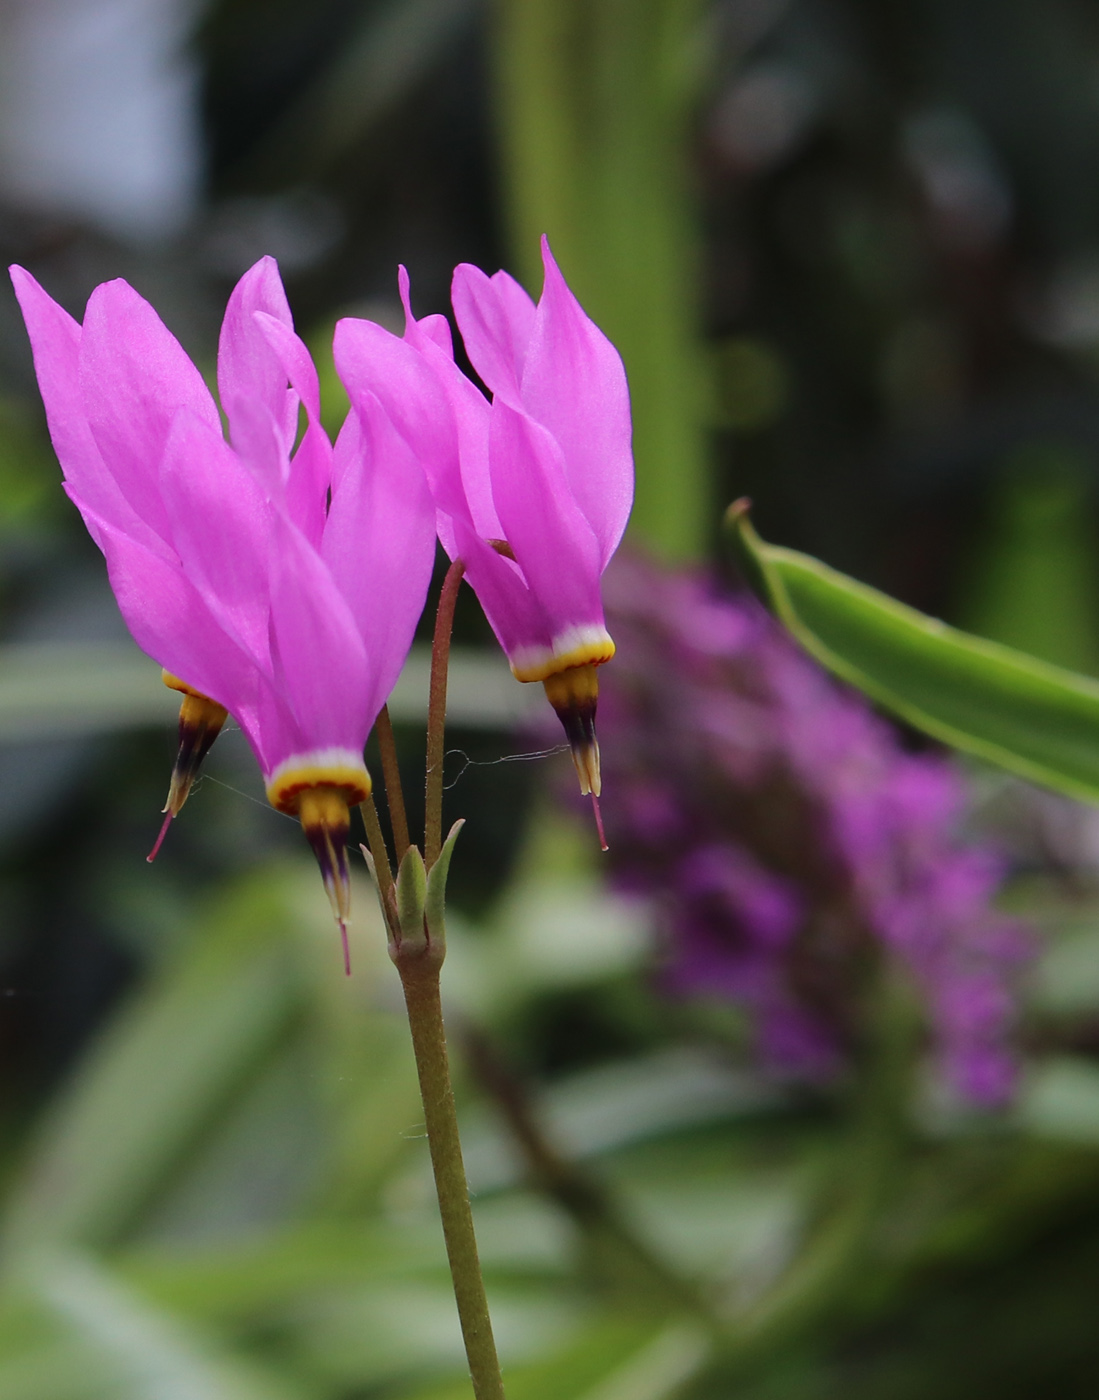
pixel 280 585
pixel 534 488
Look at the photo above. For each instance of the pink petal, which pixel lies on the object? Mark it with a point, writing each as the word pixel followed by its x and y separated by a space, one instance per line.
pixel 260 442
pixel 248 368
pixel 221 527
pixel 470 410
pixel 370 359
pixel 433 330
pixel 496 318
pixel 513 613
pixel 294 360
pixel 311 470
pixel 320 663
pixel 135 378
pixel 169 619
pixel 55 341
pixel 574 384
pixel 552 542
pixel 379 544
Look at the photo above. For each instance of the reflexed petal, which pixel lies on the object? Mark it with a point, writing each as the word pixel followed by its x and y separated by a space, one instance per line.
pixel 379 544
pixel 55 341
pixel 248 368
pixel 575 385
pixel 294 360
pixel 372 360
pixel 311 470
pixel 320 662
pixel 552 542
pixel 221 527
pixel 471 414
pixel 135 378
pixel 170 621
pixel 433 330
pixel 496 318
pixel 512 611
pixel 260 443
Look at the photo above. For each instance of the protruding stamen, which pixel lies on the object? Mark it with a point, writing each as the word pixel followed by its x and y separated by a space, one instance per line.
pixel 599 823
pixel 325 818
pixel 346 948
pixel 164 825
pixel 574 693
pixel 200 722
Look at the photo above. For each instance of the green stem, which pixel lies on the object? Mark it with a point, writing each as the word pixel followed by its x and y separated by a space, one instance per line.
pixel 391 776
pixel 436 713
pixel 420 980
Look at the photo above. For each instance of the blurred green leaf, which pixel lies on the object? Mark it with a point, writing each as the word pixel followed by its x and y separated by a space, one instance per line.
pixel 1060 1100
pixel 53 688
pixel 50 688
pixel 161 1071
pixel 1033 718
pixel 28 472
pixel 126 1349
pixel 615 1358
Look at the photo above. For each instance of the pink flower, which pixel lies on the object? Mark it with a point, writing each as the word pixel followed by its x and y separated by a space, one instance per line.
pixel 533 489
pixel 257 593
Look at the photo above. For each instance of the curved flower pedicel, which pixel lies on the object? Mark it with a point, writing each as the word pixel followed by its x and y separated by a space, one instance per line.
pixel 281 586
pixel 533 489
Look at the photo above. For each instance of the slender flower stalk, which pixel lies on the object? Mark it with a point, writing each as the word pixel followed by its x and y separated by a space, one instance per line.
pixel 413 907
pixel 436 713
pixel 391 775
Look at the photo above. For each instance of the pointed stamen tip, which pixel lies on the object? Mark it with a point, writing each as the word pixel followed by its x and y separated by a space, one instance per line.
pixel 599 823
pixel 346 948
pixel 165 824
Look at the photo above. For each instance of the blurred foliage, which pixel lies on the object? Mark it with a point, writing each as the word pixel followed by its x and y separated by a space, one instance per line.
pixel 856 246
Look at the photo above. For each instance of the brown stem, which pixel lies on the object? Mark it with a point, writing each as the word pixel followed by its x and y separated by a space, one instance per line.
pixel 436 713
pixel 391 776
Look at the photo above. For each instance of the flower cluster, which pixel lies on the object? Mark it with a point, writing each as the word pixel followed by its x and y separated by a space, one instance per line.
pixel 278 576
pixel 785 837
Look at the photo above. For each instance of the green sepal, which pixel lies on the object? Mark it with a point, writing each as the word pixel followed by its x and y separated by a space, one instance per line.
pixel 1035 719
pixel 411 894
pixel 370 865
pixel 435 903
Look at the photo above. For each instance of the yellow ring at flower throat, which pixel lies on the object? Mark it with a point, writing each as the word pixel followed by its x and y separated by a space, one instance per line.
pixel 591 653
pixel 287 786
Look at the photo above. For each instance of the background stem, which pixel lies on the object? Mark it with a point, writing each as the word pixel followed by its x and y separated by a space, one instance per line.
pixel 576 1191
pixel 820 1281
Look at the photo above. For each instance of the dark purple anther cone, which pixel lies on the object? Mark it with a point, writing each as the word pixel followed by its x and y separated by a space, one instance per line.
pixel 786 837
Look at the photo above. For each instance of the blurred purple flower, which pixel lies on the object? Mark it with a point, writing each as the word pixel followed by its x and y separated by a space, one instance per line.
pixel 785 836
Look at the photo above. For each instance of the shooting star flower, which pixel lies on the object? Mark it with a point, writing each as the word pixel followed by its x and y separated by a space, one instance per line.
pixel 282 587
pixel 533 489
